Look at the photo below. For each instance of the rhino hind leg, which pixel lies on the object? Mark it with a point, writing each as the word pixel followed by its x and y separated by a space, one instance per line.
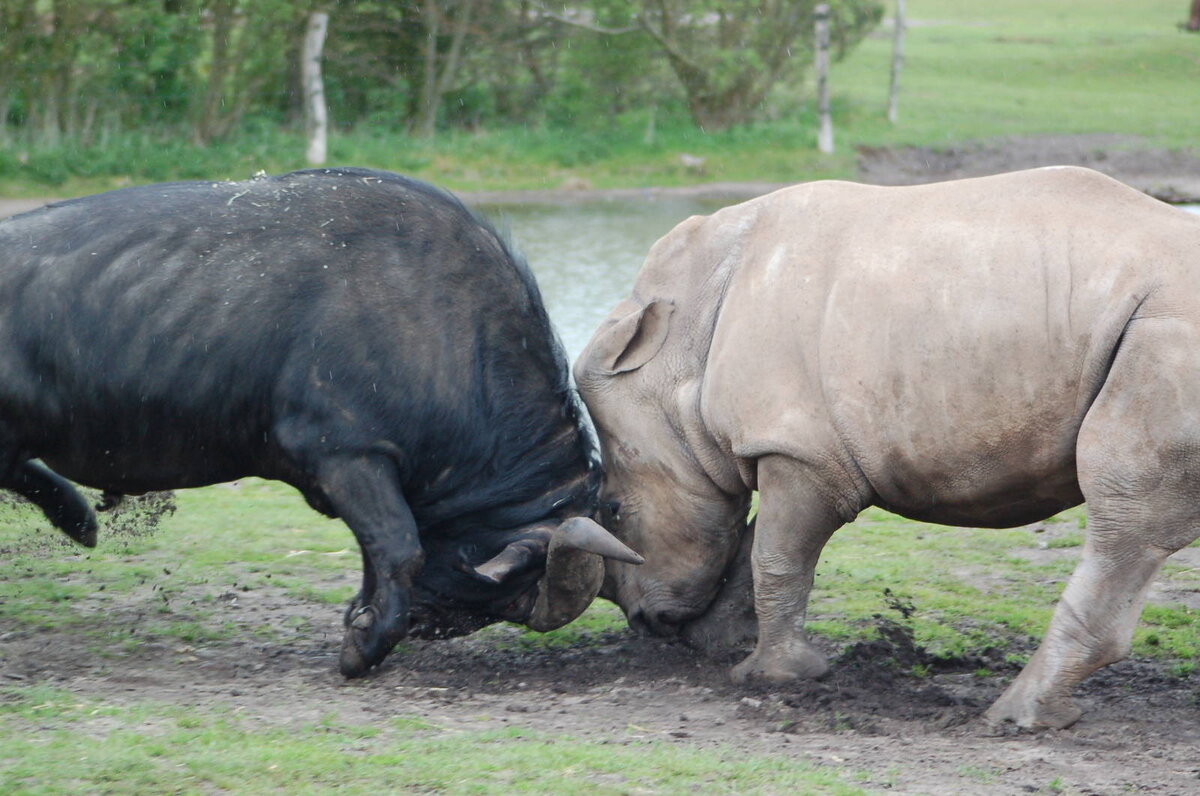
pixel 59 500
pixel 1138 457
pixel 363 490
pixel 795 519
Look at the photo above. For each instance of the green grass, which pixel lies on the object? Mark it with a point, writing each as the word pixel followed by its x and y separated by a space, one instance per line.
pixel 973 71
pixel 971 589
pixel 56 742
pixel 1022 67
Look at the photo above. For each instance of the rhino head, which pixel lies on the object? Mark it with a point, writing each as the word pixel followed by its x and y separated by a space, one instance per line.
pixel 643 396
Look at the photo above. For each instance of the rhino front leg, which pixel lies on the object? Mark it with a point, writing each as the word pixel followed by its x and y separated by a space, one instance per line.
pixel 796 517
pixel 729 627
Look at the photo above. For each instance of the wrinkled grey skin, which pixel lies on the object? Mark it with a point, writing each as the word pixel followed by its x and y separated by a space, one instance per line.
pixel 982 353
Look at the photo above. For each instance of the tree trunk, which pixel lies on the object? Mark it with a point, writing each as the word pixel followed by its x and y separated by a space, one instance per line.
pixel 214 94
pixel 898 62
pixel 427 108
pixel 438 81
pixel 1193 22
pixel 825 121
pixel 315 117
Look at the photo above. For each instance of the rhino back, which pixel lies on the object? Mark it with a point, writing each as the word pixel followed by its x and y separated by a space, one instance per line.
pixel 940 344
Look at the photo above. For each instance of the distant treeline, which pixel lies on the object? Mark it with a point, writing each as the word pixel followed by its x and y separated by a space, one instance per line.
pixel 83 69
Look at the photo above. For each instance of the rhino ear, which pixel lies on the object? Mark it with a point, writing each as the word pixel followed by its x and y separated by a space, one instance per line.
pixel 632 340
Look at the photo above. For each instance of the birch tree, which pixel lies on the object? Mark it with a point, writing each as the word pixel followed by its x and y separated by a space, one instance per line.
pixel 315 115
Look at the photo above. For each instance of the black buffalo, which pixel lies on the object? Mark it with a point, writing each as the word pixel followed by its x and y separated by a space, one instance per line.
pixel 358 335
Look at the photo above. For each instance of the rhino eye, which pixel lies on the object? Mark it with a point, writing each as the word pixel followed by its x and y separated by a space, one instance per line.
pixel 613 509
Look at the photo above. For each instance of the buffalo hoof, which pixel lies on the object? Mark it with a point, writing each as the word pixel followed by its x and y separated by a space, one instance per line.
pixel 799 663
pixel 84 531
pixel 368 640
pixel 1043 714
pixel 360 644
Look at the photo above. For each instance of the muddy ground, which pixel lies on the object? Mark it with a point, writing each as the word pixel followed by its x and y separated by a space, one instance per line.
pixel 909 734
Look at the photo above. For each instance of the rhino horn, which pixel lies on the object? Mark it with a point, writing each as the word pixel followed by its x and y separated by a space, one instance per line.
pixel 574 571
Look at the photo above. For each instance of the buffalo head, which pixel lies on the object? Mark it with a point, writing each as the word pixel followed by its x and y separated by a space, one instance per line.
pixel 543 577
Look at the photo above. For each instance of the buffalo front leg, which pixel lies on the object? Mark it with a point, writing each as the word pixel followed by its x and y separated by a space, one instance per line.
pixel 364 491
pixel 57 497
pixel 795 520
pixel 365 592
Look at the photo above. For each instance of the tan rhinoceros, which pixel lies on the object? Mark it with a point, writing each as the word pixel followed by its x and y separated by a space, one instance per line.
pixel 984 352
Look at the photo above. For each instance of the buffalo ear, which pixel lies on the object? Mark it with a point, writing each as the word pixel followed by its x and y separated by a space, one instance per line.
pixel 632 340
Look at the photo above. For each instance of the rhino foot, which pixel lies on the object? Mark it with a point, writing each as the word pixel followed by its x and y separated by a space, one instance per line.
pixel 798 662
pixel 1029 713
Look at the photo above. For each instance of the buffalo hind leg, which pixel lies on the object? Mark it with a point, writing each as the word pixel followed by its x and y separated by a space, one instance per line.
pixel 1138 456
pixel 57 497
pixel 795 520
pixel 364 491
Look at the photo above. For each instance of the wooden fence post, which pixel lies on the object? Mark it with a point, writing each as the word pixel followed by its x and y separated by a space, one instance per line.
pixel 897 63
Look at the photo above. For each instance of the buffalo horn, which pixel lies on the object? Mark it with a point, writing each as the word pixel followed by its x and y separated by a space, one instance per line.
pixel 516 557
pixel 574 571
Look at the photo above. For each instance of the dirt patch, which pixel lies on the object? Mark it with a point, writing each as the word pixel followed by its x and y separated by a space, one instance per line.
pixel 907 733
pixel 1170 175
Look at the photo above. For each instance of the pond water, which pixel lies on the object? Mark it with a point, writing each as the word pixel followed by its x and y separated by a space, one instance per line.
pixel 585 255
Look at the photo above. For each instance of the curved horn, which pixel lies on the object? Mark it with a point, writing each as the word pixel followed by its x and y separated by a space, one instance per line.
pixel 574 571
pixel 516 557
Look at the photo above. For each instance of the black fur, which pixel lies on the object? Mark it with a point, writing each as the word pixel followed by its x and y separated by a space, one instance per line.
pixel 184 334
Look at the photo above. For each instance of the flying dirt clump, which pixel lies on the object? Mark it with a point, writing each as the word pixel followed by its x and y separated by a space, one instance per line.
pixel 131 517
pixel 137 516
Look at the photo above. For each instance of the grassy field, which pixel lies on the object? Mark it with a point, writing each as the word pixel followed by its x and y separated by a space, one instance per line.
pixel 973 71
